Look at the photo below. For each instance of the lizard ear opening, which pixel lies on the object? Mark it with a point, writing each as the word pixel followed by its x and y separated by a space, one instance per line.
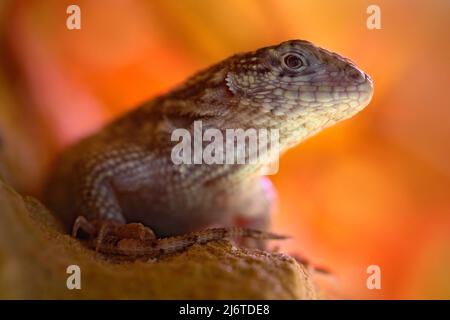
pixel 231 83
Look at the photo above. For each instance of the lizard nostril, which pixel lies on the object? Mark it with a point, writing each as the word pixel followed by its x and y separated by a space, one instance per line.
pixel 355 74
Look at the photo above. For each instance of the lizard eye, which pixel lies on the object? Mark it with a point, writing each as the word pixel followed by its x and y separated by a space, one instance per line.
pixel 293 61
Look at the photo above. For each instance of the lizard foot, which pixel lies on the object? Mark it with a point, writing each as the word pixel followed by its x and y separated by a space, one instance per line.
pixel 109 234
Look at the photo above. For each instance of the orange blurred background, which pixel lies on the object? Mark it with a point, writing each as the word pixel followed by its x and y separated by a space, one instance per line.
pixel 372 190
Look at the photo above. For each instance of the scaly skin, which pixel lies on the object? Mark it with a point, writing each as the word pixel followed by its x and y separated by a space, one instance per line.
pixel 124 173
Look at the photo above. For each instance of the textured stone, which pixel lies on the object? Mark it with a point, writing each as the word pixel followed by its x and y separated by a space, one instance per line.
pixel 35 252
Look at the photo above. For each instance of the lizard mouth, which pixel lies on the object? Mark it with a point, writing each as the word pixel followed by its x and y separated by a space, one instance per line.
pixel 365 91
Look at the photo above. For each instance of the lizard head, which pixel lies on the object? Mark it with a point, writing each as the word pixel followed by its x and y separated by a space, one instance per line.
pixel 299 82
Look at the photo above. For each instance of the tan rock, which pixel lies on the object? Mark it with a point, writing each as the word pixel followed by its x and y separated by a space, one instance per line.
pixel 35 253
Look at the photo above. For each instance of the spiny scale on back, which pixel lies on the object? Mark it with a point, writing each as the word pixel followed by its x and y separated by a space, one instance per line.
pixel 124 172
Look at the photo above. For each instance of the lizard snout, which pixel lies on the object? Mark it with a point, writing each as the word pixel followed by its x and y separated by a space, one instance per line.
pixel 355 75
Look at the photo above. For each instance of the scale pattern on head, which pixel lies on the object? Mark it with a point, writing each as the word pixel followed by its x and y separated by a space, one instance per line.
pixel 297 79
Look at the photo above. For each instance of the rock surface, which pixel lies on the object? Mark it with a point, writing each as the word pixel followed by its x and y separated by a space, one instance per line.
pixel 35 253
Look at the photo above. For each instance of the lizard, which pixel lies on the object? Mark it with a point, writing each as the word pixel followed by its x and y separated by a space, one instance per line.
pixel 121 187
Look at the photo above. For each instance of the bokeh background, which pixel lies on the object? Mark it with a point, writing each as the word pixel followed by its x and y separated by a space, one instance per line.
pixel 372 190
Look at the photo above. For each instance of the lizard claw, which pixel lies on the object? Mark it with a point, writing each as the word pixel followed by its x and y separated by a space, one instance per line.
pixel 310 266
pixel 81 223
pixel 108 234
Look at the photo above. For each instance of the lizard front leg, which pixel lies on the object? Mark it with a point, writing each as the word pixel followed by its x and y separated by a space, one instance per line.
pixel 118 168
pixel 101 216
